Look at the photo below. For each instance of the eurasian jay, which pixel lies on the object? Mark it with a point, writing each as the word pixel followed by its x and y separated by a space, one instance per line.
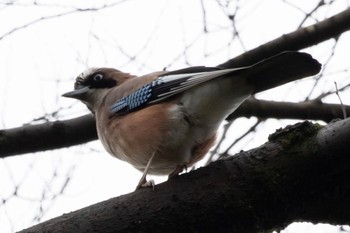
pixel 166 121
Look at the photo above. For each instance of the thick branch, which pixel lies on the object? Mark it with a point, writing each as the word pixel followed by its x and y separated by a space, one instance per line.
pixel 310 110
pixel 60 134
pixel 47 136
pixel 301 174
pixel 297 40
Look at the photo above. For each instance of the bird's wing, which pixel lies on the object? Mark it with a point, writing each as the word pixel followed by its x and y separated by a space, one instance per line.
pixel 271 72
pixel 167 85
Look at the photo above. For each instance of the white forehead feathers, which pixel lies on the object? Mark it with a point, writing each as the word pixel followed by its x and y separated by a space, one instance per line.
pixel 87 72
pixel 81 77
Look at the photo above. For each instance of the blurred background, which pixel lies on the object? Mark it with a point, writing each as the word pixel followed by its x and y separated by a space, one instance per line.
pixel 44 45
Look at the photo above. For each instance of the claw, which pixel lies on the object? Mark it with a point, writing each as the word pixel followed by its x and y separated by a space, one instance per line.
pixel 143 183
pixel 177 171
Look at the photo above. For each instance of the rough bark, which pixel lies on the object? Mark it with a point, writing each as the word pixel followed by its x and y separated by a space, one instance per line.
pixel 301 174
pixel 47 136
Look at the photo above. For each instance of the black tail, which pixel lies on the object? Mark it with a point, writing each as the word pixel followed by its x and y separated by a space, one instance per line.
pixel 280 69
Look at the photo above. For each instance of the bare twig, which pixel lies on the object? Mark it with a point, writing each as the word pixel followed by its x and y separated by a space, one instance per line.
pixel 341 102
pixel 250 130
pixel 44 18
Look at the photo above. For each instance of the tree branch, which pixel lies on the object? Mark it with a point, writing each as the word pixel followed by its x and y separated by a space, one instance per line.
pixel 47 136
pixel 309 110
pixel 297 40
pixel 300 174
pixel 60 134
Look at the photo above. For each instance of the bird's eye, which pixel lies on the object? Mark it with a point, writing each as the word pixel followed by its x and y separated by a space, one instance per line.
pixel 98 77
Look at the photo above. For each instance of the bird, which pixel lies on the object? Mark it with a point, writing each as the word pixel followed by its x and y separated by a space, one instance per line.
pixel 163 122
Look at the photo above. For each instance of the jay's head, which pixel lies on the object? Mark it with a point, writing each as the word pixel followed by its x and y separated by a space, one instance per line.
pixel 92 85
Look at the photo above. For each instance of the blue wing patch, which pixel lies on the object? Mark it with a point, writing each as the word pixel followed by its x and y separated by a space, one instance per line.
pixel 137 99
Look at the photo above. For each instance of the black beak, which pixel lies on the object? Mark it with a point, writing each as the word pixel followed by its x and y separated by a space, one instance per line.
pixel 77 94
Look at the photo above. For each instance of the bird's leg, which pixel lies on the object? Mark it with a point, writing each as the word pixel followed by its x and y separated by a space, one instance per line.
pixel 177 171
pixel 143 181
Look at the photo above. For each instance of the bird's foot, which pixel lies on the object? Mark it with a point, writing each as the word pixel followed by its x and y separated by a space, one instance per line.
pixel 143 183
pixel 177 171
